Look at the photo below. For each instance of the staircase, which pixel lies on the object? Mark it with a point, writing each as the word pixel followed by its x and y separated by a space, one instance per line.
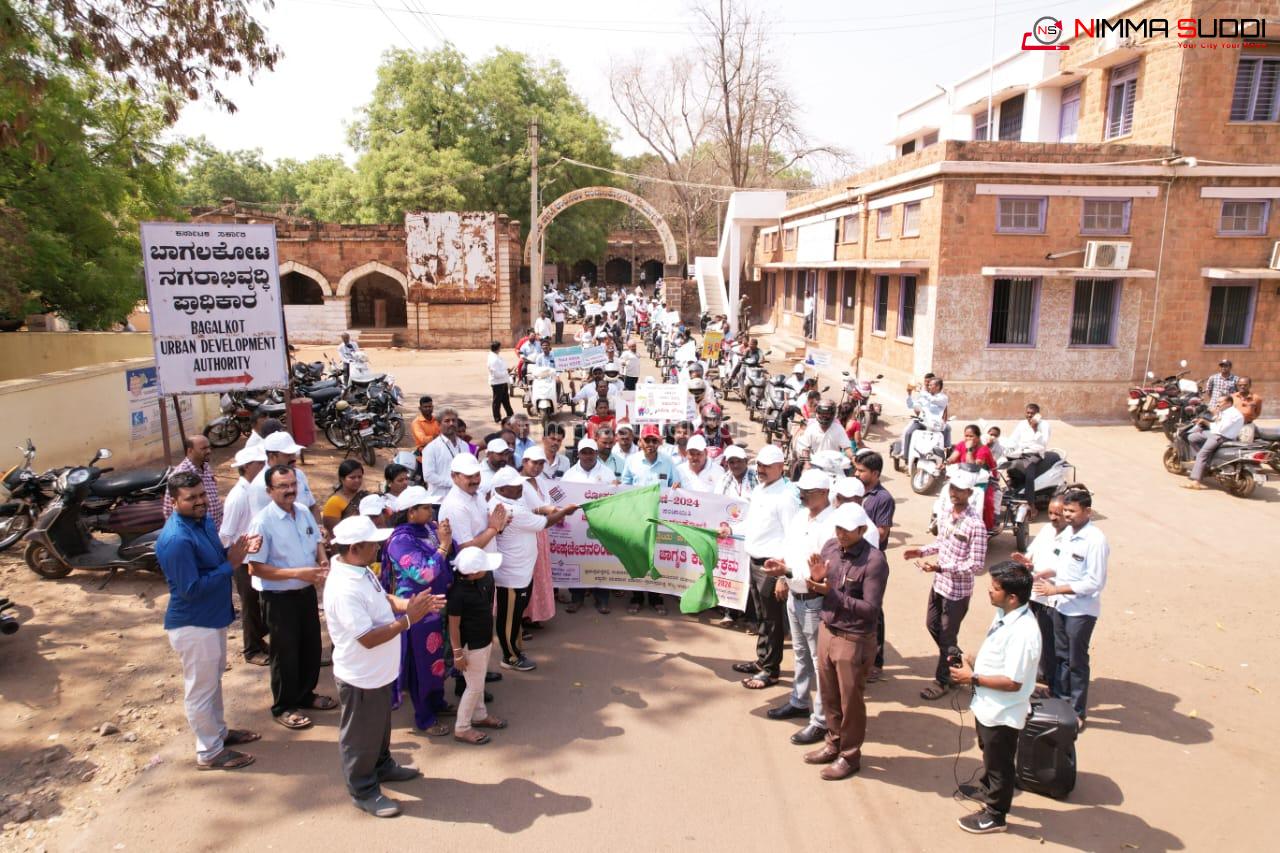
pixel 746 211
pixel 377 338
pixel 710 286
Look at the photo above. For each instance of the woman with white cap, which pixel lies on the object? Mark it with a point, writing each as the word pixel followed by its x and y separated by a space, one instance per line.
pixel 418 560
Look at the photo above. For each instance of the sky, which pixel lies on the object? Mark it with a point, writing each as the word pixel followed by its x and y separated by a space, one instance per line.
pixel 851 66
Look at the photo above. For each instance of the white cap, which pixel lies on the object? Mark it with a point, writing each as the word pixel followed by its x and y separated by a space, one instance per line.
pixel 770 454
pixel 472 560
pixel 246 455
pixel 611 367
pixel 733 451
pixel 962 479
pixel 465 464
pixel 812 478
pixel 696 442
pixel 373 504
pixel 588 444
pixel 358 528
pixel 414 496
pixel 850 517
pixel 498 445
pixel 535 454
pixel 506 477
pixel 850 487
pixel 280 442
pixel 799 368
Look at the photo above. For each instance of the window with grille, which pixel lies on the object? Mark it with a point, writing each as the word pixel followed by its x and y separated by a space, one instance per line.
pixel 1069 113
pixel 1093 312
pixel 907 306
pixel 1256 95
pixel 849 229
pixel 789 238
pixel 1230 315
pixel 1105 216
pixel 884 223
pixel 1243 217
pixel 1121 94
pixel 1013 312
pixel 849 298
pixel 1011 119
pixel 880 314
pixel 911 219
pixel 1020 215
pixel 980 127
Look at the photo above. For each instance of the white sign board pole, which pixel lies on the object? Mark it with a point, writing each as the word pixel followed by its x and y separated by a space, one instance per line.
pixel 217 319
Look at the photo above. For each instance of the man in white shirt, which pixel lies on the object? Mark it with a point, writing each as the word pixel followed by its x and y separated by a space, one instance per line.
pixel 365 625
pixel 773 504
pixel 542 326
pixel 1205 438
pixel 629 364
pixel 1003 676
pixel 347 349
pixel 473 524
pixel 823 433
pixel 557 315
pixel 1081 577
pixel 440 453
pixel 1042 559
pixel 281 449
pixel 499 382
pixel 518 545
pixel 1029 455
pixel 931 404
pixel 588 468
pixel 806 533
pixel 697 472
pixel 237 517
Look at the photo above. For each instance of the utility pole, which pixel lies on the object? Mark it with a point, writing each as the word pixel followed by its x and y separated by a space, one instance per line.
pixel 535 233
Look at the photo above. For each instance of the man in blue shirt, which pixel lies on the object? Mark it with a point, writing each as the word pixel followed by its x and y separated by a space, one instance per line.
pixel 199 573
pixel 649 466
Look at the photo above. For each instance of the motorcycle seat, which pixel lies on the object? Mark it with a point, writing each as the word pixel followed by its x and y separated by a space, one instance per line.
pixel 320 396
pixel 273 409
pixel 118 483
pixel 1262 433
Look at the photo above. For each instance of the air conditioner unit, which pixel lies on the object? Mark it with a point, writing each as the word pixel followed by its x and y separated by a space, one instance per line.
pixel 1101 255
pixel 1275 256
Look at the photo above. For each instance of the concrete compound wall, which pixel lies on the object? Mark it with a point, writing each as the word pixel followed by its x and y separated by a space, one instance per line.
pixel 25 354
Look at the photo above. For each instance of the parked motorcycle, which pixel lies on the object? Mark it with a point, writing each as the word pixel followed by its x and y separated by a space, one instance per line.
pixel 126 504
pixel 238 409
pixel 1237 465
pixel 859 392
pixel 1012 510
pixel 25 494
pixel 926 458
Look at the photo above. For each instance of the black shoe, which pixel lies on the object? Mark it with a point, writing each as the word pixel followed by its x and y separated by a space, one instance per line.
pixel 970 792
pixel 399 773
pixel 378 806
pixel 786 712
pixel 983 822
pixel 492 676
pixel 460 687
pixel 809 735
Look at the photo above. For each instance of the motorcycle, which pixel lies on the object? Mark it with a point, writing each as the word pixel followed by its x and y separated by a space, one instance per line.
pixel 1237 465
pixel 542 401
pixel 1011 505
pixel 238 409
pixel 25 495
pixel 926 458
pixel 126 504
pixel 859 393
pixel 752 380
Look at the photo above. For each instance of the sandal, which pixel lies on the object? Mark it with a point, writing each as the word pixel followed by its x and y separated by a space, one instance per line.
pixel 293 720
pixel 490 722
pixel 321 703
pixel 228 759
pixel 439 730
pixel 235 737
pixel 572 607
pixel 660 609
pixel 935 691
pixel 759 681
pixel 749 668
pixel 603 609
pixel 633 609
pixel 472 737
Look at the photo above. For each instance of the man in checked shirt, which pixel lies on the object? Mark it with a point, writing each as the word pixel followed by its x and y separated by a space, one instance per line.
pixel 962 553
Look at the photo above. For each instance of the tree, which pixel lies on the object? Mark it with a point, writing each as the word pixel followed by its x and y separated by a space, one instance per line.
pixel 210 175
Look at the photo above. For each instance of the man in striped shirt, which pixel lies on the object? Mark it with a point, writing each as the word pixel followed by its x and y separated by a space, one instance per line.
pixel 198 451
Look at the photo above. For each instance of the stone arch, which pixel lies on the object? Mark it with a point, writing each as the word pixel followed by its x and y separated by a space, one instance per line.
pixel 651 269
pixel 313 274
pixel 632 200
pixel 617 270
pixel 353 275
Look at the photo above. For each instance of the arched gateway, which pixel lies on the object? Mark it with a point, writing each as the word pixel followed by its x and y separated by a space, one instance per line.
pixel 632 200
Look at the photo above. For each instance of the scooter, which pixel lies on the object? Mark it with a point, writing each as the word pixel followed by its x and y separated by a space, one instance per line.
pixel 61 539
pixel 752 380
pixel 926 458
pixel 1012 510
pixel 542 402
pixel 25 494
pixel 1237 465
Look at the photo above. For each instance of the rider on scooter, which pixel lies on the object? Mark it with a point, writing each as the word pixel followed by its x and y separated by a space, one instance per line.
pixel 931 402
pixel 1028 449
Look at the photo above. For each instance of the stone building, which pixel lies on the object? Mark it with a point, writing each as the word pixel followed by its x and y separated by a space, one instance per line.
pixel 1111 216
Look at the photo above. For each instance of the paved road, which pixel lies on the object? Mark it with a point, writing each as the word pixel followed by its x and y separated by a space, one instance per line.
pixel 633 732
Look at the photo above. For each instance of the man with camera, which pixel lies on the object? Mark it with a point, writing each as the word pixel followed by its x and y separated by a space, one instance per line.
pixel 1003 676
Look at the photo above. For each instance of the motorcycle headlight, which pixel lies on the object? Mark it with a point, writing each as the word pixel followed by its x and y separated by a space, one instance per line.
pixel 78 477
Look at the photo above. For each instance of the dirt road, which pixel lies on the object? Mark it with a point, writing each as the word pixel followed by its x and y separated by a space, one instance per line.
pixel 633 732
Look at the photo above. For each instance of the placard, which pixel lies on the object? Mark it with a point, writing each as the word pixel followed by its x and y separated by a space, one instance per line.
pixel 142 392
pixel 214 295
pixel 579 358
pixel 817 358
pixel 660 403
pixel 711 345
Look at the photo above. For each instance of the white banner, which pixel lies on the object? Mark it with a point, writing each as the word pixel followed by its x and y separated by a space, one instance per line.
pixel 577 560
pixel 216 317
pixel 579 358
pixel 656 403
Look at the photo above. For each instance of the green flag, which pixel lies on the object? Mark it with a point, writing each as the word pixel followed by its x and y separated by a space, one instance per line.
pixel 702 594
pixel 622 524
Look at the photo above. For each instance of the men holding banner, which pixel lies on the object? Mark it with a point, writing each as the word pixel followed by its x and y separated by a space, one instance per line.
pixel 644 469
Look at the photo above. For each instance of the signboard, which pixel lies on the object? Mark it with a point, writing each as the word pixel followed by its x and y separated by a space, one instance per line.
pixel 660 403
pixel 454 255
pixel 216 317
pixel 817 358
pixel 579 358
pixel 142 391
pixel 577 560
pixel 711 345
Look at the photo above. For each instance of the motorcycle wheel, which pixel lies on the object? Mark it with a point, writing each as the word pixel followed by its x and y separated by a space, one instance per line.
pixel 337 435
pixel 1172 463
pixel 1021 536
pixel 1143 422
pixel 14 528
pixel 1240 483
pixel 41 561
pixel 922 481
pixel 222 434
pixel 397 431
pixel 369 455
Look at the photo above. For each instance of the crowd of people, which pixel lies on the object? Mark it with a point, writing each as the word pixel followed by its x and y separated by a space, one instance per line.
pixel 423 574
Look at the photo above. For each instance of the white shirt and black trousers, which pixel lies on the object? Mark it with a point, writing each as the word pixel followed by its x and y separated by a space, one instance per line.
pixel 355 604
pixel 1082 565
pixel 768 515
pixel 500 385
pixel 1011 649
